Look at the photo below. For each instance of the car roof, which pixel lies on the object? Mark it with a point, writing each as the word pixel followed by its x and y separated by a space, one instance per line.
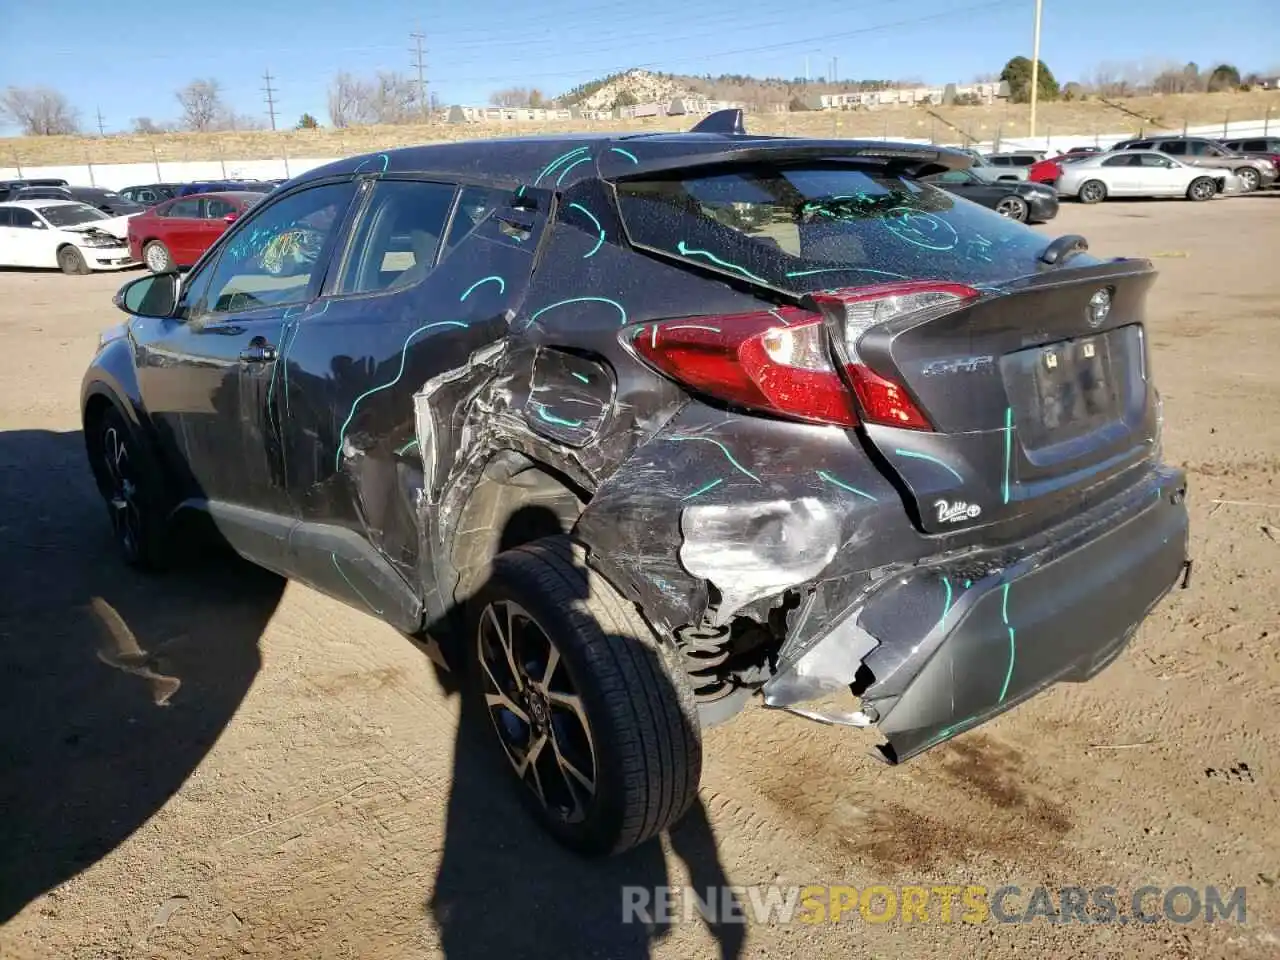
pixel 41 203
pixel 531 158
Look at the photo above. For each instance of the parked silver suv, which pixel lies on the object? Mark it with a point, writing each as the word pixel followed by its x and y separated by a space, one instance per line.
pixel 1254 172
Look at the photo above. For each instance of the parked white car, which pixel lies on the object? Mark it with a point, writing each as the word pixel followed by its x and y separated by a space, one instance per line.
pixel 72 236
pixel 1143 173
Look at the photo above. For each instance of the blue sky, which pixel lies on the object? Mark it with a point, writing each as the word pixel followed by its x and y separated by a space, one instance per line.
pixel 126 57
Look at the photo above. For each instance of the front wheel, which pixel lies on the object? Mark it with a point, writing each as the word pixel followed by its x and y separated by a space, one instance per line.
pixel 1014 208
pixel 1201 189
pixel 71 261
pixel 594 716
pixel 130 486
pixel 1093 191
pixel 1250 179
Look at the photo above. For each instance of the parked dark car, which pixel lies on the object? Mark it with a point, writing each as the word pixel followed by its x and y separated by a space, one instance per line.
pixel 1254 172
pixel 1023 201
pixel 149 194
pixel 8 188
pixel 640 428
pixel 108 201
pixel 223 186
pixel 176 232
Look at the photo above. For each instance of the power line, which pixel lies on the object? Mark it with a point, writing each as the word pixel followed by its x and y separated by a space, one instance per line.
pixel 418 62
pixel 271 97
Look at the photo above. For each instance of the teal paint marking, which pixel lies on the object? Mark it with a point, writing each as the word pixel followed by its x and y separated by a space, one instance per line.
pixel 544 414
pixel 565 171
pixel 382 156
pixel 968 584
pixel 334 558
pixel 687 251
pixel 946 607
pixel 882 273
pixel 293 339
pixel 404 353
pixel 844 486
pixel 701 490
pixel 1008 449
pixel 561 303
pixel 502 286
pixel 592 217
pixel 911 454
pixel 1013 644
pixel 584 379
pixel 564 157
pixel 723 449
pixel 626 153
pixel 406 448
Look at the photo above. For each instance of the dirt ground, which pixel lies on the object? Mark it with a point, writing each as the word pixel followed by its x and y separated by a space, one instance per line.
pixel 302 793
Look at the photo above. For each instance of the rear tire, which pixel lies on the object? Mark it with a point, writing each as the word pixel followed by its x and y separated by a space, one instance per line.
pixel 71 261
pixel 131 486
pixel 1014 208
pixel 1250 179
pixel 157 257
pixel 1092 191
pixel 1202 189
pixel 565 669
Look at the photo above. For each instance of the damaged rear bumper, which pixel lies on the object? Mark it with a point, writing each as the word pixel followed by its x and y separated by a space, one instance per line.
pixel 943 646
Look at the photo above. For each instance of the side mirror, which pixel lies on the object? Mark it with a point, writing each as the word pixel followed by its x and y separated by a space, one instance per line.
pixel 38 225
pixel 155 295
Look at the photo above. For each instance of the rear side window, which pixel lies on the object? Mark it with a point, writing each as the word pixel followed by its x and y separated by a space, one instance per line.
pixel 398 236
pixel 186 209
pixel 814 227
pixel 474 205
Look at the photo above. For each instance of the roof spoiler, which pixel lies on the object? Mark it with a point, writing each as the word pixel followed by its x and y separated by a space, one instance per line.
pixel 722 121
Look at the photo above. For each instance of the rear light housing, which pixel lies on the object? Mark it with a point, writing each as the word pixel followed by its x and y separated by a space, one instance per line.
pixel 781 361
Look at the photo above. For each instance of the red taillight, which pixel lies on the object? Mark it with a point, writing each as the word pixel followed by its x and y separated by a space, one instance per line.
pixel 781 360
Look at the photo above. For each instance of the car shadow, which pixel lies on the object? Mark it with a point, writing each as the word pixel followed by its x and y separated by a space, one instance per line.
pixel 116 683
pixel 506 888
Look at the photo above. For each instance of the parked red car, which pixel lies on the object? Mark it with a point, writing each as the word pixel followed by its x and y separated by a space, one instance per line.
pixel 1050 169
pixel 175 233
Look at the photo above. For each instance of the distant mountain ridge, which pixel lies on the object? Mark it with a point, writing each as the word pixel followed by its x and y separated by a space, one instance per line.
pixel 642 86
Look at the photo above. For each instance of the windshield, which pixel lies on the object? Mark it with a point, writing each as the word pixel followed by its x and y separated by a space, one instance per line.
pixel 822 226
pixel 70 214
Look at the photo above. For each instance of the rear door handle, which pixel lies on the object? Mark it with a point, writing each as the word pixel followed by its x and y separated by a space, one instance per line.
pixel 258 353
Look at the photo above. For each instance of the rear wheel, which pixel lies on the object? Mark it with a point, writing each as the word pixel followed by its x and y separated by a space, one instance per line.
pixel 1201 189
pixel 1250 179
pixel 1093 191
pixel 1014 208
pixel 157 258
pixel 131 488
pixel 594 716
pixel 71 261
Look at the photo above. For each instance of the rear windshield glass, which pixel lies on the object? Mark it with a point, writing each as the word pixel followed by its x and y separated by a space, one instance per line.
pixel 814 227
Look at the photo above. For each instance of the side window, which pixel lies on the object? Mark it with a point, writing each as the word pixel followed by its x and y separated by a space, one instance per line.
pixel 1154 160
pixel 1120 161
pixel 399 234
pixel 474 205
pixel 951 176
pixel 23 218
pixel 1201 148
pixel 215 208
pixel 1252 146
pixel 1141 145
pixel 145 196
pixel 185 209
pixel 6 214
pixel 275 256
pixel 1175 148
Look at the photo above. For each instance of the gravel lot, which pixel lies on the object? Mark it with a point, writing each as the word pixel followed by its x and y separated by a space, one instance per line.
pixel 303 793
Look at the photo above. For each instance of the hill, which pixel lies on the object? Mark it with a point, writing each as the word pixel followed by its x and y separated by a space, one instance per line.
pixel 642 86
pixel 1086 119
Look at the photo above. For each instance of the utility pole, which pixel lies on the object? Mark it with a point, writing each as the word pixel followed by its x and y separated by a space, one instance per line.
pixel 1035 68
pixel 271 97
pixel 835 72
pixel 421 66
pixel 102 129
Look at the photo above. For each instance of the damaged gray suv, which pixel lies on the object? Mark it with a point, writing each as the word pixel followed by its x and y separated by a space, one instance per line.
pixel 645 429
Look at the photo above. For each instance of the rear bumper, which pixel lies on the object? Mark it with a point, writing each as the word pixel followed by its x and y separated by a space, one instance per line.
pixel 952 643
pixel 1042 208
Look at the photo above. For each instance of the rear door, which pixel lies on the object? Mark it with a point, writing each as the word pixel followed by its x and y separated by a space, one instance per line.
pixel 213 215
pixel 31 242
pixel 1034 389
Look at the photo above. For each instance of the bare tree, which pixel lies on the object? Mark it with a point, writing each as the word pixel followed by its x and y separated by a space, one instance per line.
pixel 40 111
pixel 395 99
pixel 350 102
pixel 202 106
pixel 510 97
pixel 145 125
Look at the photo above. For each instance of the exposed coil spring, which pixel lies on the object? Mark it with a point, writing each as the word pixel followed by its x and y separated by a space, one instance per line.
pixel 704 648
